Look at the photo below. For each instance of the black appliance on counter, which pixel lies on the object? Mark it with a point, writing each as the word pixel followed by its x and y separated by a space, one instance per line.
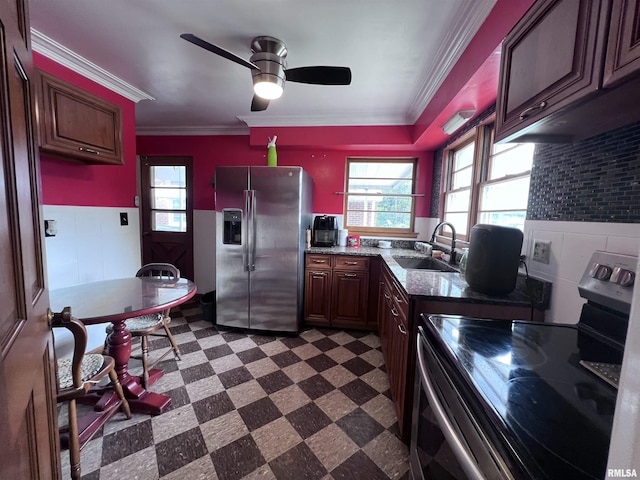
pixel 325 231
pixel 523 400
pixel 494 259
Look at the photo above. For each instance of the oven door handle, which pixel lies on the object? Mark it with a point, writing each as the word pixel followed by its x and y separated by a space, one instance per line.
pixel 465 458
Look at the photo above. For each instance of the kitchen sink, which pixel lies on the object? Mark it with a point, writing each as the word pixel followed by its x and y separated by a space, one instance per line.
pixel 427 263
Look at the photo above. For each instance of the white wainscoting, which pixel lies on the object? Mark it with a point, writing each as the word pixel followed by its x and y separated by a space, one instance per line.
pixel 90 245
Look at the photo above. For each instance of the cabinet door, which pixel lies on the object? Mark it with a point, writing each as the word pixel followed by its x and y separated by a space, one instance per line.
pixel 623 51
pixel 317 297
pixel 400 349
pixel 350 295
pixel 549 60
pixel 77 125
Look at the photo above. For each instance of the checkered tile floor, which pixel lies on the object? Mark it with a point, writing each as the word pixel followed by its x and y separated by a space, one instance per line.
pixel 245 406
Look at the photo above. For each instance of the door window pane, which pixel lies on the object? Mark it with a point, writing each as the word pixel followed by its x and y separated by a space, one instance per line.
pixel 169 176
pixel 169 198
pixel 163 221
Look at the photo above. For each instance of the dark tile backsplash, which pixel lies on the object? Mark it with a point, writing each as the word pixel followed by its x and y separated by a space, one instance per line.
pixel 596 180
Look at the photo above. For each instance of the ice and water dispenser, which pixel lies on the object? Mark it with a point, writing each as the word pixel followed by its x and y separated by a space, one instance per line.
pixel 232 228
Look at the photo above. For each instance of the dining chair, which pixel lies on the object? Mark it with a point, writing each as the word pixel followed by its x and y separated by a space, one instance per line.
pixel 75 376
pixel 151 324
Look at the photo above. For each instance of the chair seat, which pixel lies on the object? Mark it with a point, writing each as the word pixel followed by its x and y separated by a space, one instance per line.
pixel 91 365
pixel 143 322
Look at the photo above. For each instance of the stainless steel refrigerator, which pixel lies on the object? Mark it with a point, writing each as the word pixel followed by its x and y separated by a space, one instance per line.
pixel 261 217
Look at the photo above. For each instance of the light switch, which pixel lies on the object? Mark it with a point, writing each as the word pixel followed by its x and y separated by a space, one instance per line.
pixel 124 218
pixel 50 228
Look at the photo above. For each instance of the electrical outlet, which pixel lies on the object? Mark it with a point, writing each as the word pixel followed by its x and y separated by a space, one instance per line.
pixel 541 251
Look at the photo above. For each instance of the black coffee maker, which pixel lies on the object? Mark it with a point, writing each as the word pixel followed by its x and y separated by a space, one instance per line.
pixel 325 231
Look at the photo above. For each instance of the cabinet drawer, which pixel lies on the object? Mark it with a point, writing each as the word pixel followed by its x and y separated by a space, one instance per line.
pixel 347 262
pixel 318 261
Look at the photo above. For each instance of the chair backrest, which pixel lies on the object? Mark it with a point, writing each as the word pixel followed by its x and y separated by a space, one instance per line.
pixel 64 319
pixel 162 270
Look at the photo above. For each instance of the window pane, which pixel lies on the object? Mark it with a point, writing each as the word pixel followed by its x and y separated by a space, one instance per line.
pixel 169 198
pixel 463 157
pixel 457 202
pixel 461 179
pixel 380 170
pixel 402 187
pixel 511 162
pixel 169 176
pixel 509 195
pixel 378 219
pixel 169 221
pixel 459 221
pixel 513 219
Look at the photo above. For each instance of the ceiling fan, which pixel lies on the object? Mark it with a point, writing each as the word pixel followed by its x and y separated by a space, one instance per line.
pixel 269 69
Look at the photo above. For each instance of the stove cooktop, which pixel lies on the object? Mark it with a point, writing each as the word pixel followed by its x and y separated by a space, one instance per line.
pixel 526 386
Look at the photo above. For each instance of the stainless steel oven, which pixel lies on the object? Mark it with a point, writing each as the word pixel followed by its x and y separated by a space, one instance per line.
pixel 518 400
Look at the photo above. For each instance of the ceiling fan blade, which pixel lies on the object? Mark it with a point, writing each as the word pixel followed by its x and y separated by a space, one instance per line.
pixel 258 104
pixel 190 37
pixel 319 75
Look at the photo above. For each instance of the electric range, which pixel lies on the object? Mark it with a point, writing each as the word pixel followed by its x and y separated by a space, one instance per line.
pixel 518 399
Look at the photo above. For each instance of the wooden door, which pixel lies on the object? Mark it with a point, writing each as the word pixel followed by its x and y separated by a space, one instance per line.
pixel 28 425
pixel 623 48
pixel 317 297
pixel 349 299
pixel 548 61
pixel 167 212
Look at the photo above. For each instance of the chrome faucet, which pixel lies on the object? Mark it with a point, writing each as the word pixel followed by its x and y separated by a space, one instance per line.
pixel 452 256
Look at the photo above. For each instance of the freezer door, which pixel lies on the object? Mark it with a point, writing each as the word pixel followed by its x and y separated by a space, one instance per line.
pixel 232 273
pixel 279 238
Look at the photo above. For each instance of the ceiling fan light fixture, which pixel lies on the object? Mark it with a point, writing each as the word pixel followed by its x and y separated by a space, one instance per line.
pixel 267 89
pixel 457 120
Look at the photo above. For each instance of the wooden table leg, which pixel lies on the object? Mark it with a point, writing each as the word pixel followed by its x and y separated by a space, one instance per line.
pixel 140 400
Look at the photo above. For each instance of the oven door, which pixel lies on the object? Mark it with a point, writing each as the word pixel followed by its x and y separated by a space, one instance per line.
pixel 445 439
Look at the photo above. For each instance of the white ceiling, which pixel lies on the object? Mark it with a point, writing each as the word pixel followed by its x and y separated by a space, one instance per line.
pixel 399 52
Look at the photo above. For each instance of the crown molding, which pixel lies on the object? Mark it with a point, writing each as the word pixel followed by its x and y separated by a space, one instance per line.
pixel 322 120
pixel 468 20
pixel 68 58
pixel 194 130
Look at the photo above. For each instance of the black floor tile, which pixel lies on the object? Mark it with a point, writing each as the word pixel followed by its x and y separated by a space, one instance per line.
pixel 126 441
pixel 298 463
pixel 180 450
pixel 237 459
pixel 212 407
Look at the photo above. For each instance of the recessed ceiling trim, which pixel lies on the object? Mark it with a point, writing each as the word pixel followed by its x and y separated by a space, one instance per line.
pixel 194 130
pixel 321 120
pixel 468 20
pixel 68 58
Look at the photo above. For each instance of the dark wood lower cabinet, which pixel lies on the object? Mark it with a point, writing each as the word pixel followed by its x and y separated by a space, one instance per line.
pixel 337 291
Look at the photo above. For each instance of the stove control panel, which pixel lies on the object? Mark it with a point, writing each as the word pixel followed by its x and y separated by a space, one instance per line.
pixel 608 280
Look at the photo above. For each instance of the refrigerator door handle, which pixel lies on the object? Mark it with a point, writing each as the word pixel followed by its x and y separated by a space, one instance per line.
pixel 251 231
pixel 245 232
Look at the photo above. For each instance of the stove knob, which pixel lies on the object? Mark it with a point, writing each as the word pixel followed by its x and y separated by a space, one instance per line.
pixel 627 278
pixel 615 276
pixel 602 272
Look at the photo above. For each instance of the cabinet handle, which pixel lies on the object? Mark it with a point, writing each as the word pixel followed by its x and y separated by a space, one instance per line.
pixel 89 150
pixel 319 261
pixel 319 274
pixel 528 111
pixel 350 275
pixel 402 329
pixel 394 311
pixel 397 299
pixel 387 296
pixel 351 263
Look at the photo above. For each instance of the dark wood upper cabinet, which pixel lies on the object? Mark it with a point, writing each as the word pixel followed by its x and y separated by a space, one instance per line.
pixel 555 63
pixel 623 47
pixel 77 125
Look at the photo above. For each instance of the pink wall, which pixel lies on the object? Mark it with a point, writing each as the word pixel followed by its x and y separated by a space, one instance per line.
pixel 326 167
pixel 66 182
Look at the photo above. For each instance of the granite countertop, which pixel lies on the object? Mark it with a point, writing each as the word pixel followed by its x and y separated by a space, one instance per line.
pixel 441 286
